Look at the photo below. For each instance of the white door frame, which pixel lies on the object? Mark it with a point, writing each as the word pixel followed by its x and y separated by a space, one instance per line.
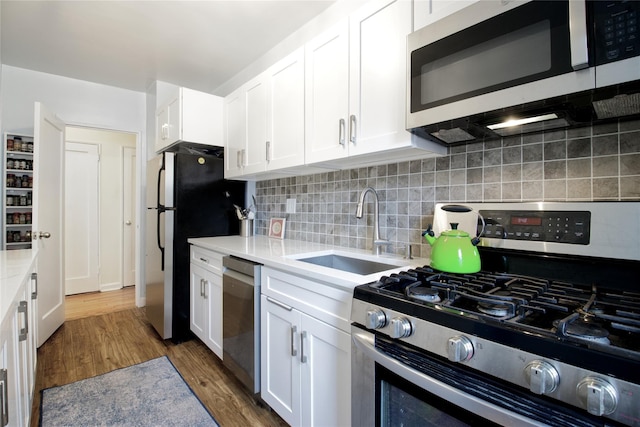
pixel 129 212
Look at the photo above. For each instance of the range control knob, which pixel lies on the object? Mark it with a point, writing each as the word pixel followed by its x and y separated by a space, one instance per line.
pixel 597 396
pixel 542 377
pixel 400 327
pixel 376 319
pixel 459 349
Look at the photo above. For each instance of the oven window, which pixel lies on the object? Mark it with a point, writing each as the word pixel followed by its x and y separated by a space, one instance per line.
pixel 401 403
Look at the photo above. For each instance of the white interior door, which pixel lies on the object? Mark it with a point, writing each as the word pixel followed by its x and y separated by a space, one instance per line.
pixel 129 208
pixel 81 218
pixel 48 219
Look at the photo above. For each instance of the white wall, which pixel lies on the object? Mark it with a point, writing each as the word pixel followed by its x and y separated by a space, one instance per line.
pixel 74 101
pixel 82 103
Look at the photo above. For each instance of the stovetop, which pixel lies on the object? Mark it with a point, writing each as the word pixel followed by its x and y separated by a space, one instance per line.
pixel 607 320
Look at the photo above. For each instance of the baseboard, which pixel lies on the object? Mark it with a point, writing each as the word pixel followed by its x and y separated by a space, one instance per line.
pixel 105 287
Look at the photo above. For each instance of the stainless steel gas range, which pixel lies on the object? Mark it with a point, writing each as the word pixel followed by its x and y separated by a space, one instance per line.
pixel 548 333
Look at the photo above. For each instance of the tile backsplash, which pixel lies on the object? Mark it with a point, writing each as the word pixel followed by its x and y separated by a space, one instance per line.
pixel 585 164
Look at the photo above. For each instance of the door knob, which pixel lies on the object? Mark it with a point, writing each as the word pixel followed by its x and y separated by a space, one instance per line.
pixel 128 222
pixel 44 234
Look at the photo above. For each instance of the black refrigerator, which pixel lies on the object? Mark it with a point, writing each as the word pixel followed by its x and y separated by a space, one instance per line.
pixel 187 196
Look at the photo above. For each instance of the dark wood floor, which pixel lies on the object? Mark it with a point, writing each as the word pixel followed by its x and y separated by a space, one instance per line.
pixel 95 345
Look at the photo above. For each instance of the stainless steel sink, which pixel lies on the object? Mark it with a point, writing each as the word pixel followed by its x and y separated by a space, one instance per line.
pixel 349 264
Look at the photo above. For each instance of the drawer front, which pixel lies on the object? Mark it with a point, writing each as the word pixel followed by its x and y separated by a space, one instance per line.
pixel 322 301
pixel 209 260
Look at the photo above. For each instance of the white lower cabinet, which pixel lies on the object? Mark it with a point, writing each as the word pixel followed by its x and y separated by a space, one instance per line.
pixel 206 298
pixel 18 359
pixel 306 362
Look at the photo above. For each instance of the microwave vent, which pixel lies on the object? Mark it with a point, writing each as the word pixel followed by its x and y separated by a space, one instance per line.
pixel 453 135
pixel 619 105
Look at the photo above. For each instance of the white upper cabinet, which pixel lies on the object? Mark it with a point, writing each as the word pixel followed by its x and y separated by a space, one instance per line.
pixel 378 34
pixel 327 90
pixel 235 133
pixel 265 120
pixel 426 12
pixel 356 82
pixel 254 158
pixel 191 116
pixel 285 113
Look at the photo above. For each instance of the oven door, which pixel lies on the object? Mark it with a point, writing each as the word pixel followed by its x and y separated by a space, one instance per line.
pixel 426 391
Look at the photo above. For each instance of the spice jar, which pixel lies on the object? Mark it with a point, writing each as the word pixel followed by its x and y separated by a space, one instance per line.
pixel 17 144
pixel 10 144
pixel 25 181
pixel 9 200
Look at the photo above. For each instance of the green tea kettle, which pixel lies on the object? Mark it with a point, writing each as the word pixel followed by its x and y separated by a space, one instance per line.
pixel 454 251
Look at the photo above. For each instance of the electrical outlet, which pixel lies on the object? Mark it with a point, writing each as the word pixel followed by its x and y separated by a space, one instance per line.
pixel 291 206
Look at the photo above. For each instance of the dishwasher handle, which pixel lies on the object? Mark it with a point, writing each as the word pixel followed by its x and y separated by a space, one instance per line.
pixel 246 267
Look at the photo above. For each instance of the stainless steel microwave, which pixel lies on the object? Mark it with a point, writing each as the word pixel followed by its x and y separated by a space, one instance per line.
pixel 498 68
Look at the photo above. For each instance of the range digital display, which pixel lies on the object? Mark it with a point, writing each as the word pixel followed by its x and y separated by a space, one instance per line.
pixel 526 220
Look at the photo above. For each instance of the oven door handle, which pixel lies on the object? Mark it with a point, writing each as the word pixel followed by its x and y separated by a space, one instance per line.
pixel 365 343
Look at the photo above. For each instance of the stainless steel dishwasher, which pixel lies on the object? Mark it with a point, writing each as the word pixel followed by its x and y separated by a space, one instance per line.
pixel 241 320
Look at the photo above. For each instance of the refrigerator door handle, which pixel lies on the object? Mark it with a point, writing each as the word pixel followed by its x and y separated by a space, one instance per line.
pixel 160 210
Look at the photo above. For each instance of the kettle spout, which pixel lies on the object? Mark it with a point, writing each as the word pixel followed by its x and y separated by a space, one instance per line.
pixel 429 235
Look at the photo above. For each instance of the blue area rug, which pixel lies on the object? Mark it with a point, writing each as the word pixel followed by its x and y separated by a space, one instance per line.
pixel 151 393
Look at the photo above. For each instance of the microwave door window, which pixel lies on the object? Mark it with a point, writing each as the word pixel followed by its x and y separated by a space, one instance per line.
pixel 506 58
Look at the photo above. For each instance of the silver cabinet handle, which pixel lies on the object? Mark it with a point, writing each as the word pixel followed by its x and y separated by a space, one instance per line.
pixel 303 357
pixel 128 222
pixel 202 288
pixel 238 154
pixel 268 154
pixel 34 286
pixel 165 131
pixel 4 398
pixel 206 261
pixel 243 158
pixel 578 35
pixel 44 234
pixel 22 308
pixel 279 304
pixel 352 129
pixel 341 130
pixel 294 352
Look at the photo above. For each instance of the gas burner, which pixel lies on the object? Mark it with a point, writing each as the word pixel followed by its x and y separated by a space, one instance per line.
pixel 422 293
pixel 493 309
pixel 584 329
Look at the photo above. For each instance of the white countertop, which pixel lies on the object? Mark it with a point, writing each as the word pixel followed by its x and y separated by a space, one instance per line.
pixel 15 266
pixel 282 254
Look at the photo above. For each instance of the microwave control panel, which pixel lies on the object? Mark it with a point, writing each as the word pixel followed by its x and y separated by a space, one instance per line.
pixel 572 227
pixel 616 30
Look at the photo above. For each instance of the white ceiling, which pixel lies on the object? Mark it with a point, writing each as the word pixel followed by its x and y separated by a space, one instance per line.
pixel 129 44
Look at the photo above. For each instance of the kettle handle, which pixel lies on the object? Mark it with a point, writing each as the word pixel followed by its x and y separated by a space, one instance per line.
pixel 464 209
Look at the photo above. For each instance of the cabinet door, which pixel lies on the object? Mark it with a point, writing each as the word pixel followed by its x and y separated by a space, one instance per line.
pixel 279 359
pixel 285 122
pixel 198 316
pixel 326 374
pixel 235 133
pixel 168 123
pixel 25 377
pixel 327 99
pixel 378 34
pixel 255 158
pixel 213 303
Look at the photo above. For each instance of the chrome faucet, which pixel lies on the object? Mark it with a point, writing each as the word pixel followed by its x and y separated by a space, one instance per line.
pixel 377 241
